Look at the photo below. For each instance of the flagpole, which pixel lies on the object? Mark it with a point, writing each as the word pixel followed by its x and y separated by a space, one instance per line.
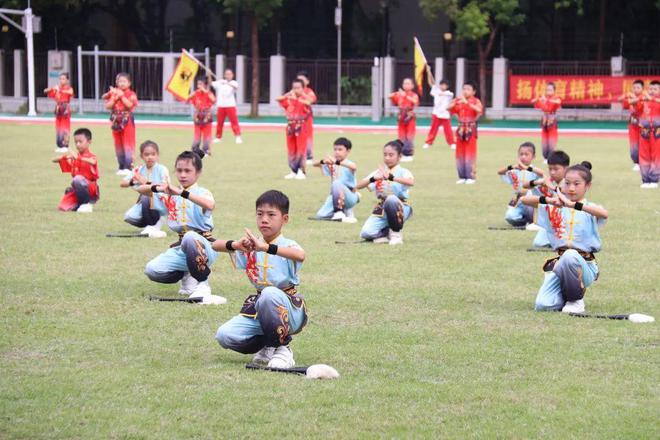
pixel 192 57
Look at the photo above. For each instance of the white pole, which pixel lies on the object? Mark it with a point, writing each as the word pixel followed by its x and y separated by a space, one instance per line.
pixel 96 73
pixel 338 24
pixel 32 107
pixel 80 81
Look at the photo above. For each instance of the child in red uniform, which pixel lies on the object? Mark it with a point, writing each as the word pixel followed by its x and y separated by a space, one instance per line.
pixel 296 105
pixel 202 100
pixel 633 103
pixel 406 100
pixel 649 139
pixel 121 101
pixel 311 96
pixel 85 171
pixel 548 104
pixel 468 108
pixel 62 95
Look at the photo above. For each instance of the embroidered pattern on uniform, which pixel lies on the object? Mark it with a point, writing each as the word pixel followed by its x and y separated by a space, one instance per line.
pixel 201 259
pixel 556 221
pixel 283 329
pixel 170 204
pixel 251 269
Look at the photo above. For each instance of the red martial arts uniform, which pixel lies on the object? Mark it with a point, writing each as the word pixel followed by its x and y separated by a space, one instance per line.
pixel 203 121
pixel 633 125
pixel 123 129
pixel 311 96
pixel 549 131
pixel 649 141
pixel 466 137
pixel 407 122
pixel 84 188
pixel 62 99
pixel 297 131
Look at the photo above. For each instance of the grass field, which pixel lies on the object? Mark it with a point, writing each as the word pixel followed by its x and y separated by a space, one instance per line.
pixel 434 339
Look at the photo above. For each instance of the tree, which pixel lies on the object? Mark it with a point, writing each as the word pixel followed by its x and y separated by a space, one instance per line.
pixel 258 11
pixel 478 21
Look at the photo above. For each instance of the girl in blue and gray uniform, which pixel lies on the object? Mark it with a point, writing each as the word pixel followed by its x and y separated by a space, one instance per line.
pixel 391 183
pixel 343 195
pixel 147 212
pixel 572 225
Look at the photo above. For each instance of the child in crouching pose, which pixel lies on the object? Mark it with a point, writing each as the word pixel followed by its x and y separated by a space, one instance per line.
pixel 391 183
pixel 572 224
pixel 147 212
pixel 190 209
pixel 343 196
pixel 84 168
pixel 276 311
pixel 517 176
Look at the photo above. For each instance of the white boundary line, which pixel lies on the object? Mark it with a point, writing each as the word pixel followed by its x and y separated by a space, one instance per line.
pixel 320 126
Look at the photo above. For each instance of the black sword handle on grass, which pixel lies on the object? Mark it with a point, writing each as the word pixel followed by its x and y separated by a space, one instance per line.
pixel 586 315
pixel 166 299
pixel 294 370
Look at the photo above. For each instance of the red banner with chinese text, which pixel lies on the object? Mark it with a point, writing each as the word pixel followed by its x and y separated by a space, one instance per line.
pixel 573 90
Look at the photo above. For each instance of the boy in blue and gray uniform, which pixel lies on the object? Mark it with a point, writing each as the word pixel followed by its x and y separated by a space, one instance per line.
pixel 276 311
pixel 190 210
pixel 343 195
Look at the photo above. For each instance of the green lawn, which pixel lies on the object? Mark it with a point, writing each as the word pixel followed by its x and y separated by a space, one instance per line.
pixel 436 338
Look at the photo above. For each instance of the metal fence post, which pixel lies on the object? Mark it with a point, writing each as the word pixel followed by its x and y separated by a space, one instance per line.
pixel 168 70
pixel 376 102
pixel 460 75
pixel 499 90
pixel 19 73
pixel 96 73
pixel 618 68
pixel 2 72
pixel 277 68
pixel 219 66
pixel 80 81
pixel 241 77
pixel 388 81
pixel 439 69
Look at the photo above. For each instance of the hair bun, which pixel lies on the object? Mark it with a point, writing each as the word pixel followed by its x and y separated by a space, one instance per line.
pixel 586 164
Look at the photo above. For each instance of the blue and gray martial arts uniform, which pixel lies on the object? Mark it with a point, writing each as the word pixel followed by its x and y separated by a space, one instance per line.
pixel 574 235
pixel 148 209
pixel 392 209
pixel 342 190
pixel 193 253
pixel 277 311
pixel 518 214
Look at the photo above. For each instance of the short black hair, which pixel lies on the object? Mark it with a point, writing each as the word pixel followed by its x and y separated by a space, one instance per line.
pixel 471 84
pixel 84 132
pixel 344 142
pixel 296 80
pixel 303 73
pixel 65 74
pixel 552 85
pixel 639 81
pixel 396 144
pixel 191 156
pixel 584 168
pixel 274 198
pixel 655 83
pixel 529 145
pixel 125 75
pixel 445 82
pixel 558 157
pixel 148 143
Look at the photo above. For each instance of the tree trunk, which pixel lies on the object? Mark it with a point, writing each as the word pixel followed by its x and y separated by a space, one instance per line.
pixel 482 77
pixel 254 39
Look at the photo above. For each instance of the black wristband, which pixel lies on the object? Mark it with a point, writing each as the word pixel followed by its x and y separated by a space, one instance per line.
pixel 542 200
pixel 229 245
pixel 185 194
pixel 372 179
pixel 578 206
pixel 272 249
pixel 148 182
pixel 338 162
pixel 154 188
pixel 131 182
pixel 530 169
pixel 532 184
pixel 321 163
pixel 509 167
pixel 390 177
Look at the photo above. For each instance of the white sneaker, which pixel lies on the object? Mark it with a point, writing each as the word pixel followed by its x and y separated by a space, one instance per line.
pixel 545 161
pixel 85 208
pixel 470 181
pixel 61 150
pixel 310 162
pixel 425 146
pixel 407 158
pixel 290 176
pixel 147 230
pixel 533 227
pixel 188 284
pixel 300 175
pixel 350 217
pixel 201 290
pixel 239 140
pixel 396 238
pixel 339 215
pixel 282 358
pixel 453 146
pixel 652 185
pixel 645 185
pixel 574 306
pixel 381 240
pixel 216 140
pixel 460 182
pixel 263 356
pixel 635 167
pixel 124 172
pixel 120 172
pixel 157 233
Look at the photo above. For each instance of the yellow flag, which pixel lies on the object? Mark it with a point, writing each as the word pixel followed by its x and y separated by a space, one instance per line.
pixel 182 79
pixel 420 66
